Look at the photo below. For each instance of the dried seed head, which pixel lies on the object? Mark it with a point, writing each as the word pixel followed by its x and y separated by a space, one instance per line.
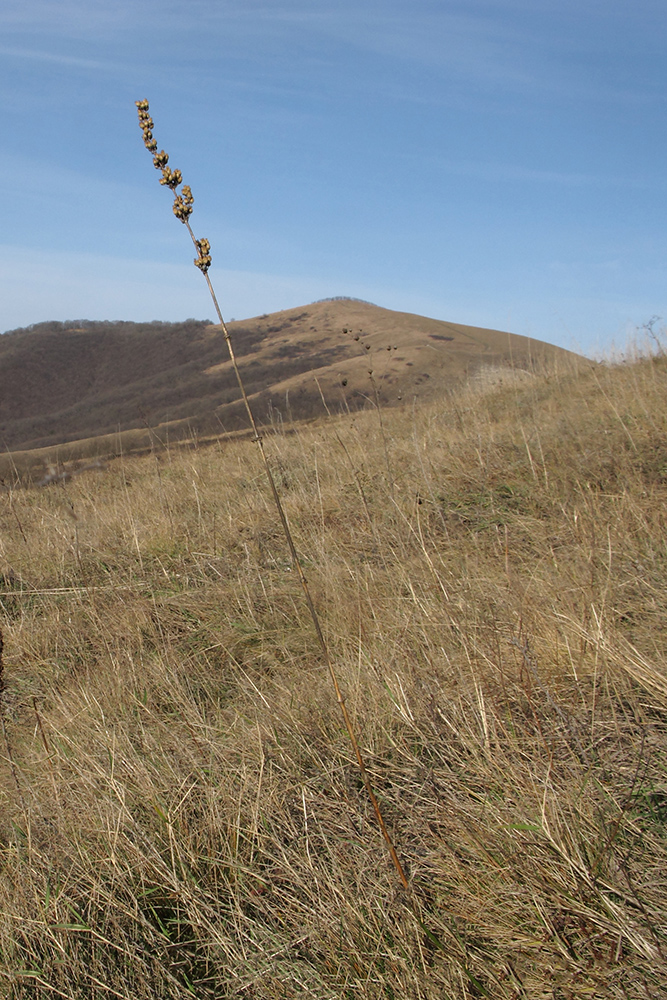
pixel 160 160
pixel 183 201
pixel 146 125
pixel 179 208
pixel 171 178
pixel 203 261
pixel 183 204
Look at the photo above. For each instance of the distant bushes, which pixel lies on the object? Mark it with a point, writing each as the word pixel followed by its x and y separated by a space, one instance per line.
pixel 105 325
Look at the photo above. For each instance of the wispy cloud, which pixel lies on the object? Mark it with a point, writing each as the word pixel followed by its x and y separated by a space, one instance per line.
pixel 68 17
pixel 36 180
pixel 515 173
pixel 482 45
pixel 37 55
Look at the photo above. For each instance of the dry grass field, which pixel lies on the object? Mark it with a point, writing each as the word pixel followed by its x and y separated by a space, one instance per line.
pixel 181 812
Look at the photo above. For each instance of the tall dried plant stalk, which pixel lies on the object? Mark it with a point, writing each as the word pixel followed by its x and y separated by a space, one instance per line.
pixel 182 208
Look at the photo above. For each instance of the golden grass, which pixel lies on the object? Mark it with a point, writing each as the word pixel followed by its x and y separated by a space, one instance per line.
pixel 188 818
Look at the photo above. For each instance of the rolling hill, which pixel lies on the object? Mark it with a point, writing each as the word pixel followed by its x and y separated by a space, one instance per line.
pixel 68 382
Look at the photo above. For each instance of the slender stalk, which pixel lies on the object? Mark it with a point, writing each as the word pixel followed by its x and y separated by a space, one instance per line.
pixel 257 437
pixel 182 210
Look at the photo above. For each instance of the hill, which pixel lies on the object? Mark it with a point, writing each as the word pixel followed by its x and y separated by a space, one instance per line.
pixel 182 814
pixel 65 382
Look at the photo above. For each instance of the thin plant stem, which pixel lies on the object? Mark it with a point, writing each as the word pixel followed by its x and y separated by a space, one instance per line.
pixel 182 208
pixel 257 437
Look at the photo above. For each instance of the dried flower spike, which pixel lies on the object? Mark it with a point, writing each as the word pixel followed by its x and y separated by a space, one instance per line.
pixel 183 200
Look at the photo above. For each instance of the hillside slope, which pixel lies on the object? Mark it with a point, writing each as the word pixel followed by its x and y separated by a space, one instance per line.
pixel 64 382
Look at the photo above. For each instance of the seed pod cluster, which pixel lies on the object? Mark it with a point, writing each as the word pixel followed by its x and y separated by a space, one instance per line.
pixel 203 261
pixel 146 124
pixel 172 178
pixel 160 160
pixel 183 203
pixel 183 200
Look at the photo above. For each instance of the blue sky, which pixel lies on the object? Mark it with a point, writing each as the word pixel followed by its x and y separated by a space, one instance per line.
pixel 493 162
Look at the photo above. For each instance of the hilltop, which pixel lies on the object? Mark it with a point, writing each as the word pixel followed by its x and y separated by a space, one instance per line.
pixel 64 382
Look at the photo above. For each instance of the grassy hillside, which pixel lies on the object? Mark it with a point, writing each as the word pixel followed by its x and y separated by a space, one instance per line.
pixel 181 812
pixel 63 382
